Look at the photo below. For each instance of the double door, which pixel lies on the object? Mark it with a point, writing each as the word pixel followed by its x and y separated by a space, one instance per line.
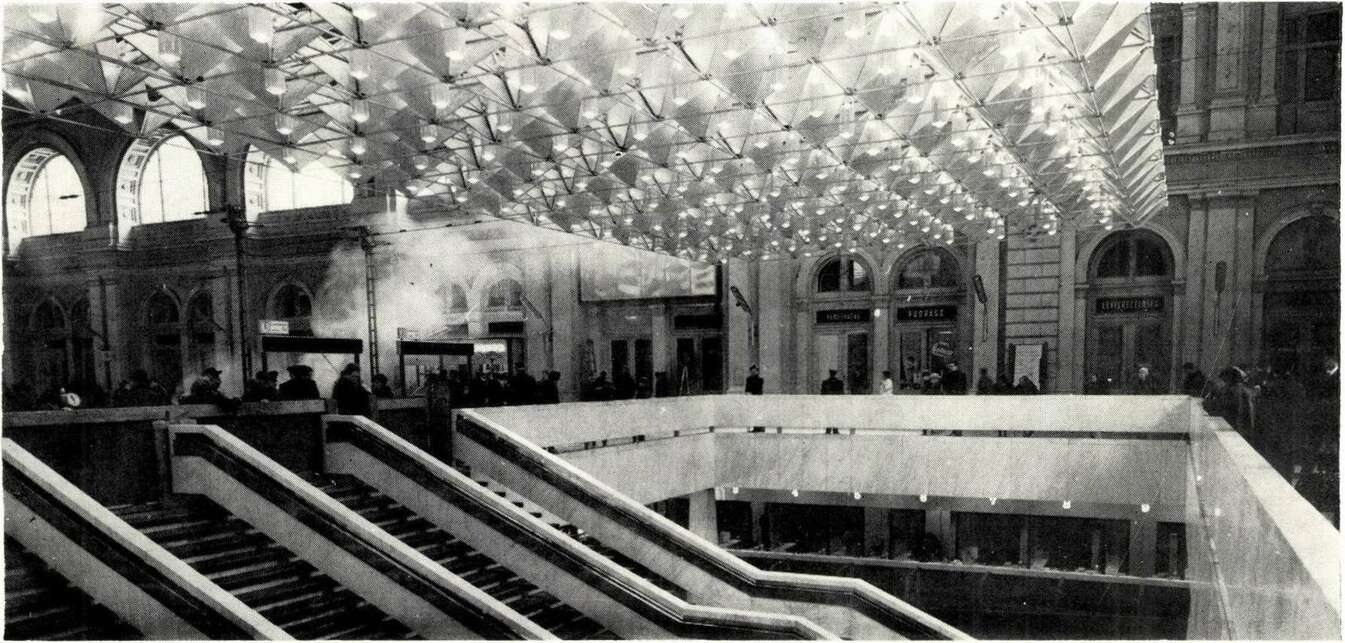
pixel 700 365
pixel 847 353
pixel 1119 347
pixel 921 349
pixel 634 356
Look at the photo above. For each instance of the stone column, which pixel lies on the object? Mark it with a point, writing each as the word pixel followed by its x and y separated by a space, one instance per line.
pixel 659 337
pixel 882 326
pixel 940 523
pixel 1191 117
pixel 1070 375
pixel 1262 115
pixel 1228 107
pixel 1193 313
pixel 985 322
pixel 566 313
pixel 877 532
pixel 759 537
pixel 1143 547
pixel 772 324
pixel 105 319
pixel 702 519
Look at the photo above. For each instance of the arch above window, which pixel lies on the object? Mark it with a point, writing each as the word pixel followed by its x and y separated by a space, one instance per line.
pixel 161 179
pixel 1308 245
pixel 843 273
pixel 454 297
pixel 291 301
pixel 272 184
pixel 929 268
pixel 161 309
pixel 506 294
pixel 45 196
pixel 1132 254
pixel 48 318
pixel 201 313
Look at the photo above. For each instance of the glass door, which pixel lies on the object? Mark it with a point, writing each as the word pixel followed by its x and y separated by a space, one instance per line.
pixel 857 363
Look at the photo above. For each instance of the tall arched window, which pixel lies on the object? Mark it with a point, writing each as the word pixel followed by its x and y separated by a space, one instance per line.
pixel 293 304
pixel 1130 312
pixel 45 196
pixel 1301 306
pixel 50 330
pixel 276 185
pixel 172 182
pixel 932 268
pixel 843 274
pixel 164 335
pixel 505 295
pixel 200 332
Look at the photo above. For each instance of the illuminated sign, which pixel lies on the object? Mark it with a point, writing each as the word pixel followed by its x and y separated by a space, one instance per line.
pixel 275 327
pixel 926 313
pixel 848 316
pixel 1129 305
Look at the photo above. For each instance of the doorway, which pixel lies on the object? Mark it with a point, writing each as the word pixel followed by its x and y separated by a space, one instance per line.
pixel 921 349
pixel 848 354
pixel 700 365
pixel 1121 346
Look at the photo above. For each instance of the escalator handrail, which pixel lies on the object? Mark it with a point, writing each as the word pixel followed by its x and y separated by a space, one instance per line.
pixel 660 606
pixel 166 578
pixel 882 607
pixel 353 533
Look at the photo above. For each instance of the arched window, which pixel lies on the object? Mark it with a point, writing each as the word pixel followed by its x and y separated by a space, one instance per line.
pixel 50 330
pixel 45 196
pixel 164 335
pixel 1308 245
pixel 932 268
pixel 454 297
pixel 172 183
pixel 200 332
pixel 276 185
pixel 843 274
pixel 293 304
pixel 505 295
pixel 1132 254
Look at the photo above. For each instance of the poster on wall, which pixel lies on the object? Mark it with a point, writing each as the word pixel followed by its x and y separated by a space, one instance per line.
pixel 614 273
pixel 1027 362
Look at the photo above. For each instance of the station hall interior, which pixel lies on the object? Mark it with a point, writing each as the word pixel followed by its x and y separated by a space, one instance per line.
pixel 639 320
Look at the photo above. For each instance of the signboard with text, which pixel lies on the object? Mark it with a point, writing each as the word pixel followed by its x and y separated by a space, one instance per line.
pixel 1119 305
pixel 275 327
pixel 847 316
pixel 926 313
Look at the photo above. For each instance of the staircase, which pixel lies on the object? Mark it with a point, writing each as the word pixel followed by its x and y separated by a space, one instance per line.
pixel 289 592
pixel 42 605
pixel 576 533
pixel 486 574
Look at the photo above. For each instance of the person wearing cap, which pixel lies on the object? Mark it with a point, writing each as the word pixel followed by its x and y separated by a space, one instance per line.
pixel 261 388
pixel 138 392
pixel 205 390
pixel 300 385
pixel 351 397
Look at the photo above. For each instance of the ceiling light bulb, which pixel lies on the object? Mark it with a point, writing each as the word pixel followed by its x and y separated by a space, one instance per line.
pixel 195 97
pixel 682 12
pixel 440 94
pixel 355 173
pixel 364 11
pixel 359 63
pixel 429 133
pixel 261 24
pixel 358 145
pixel 275 81
pixel 359 110
pixel 455 44
pixel 290 156
pixel 214 136
pixel 560 34
pixel 732 54
pixel 284 124
pixel 43 14
pixel 170 47
pixel 420 161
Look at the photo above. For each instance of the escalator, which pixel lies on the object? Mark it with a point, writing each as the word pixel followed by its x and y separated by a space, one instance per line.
pixel 472 566
pixel 287 591
pixel 40 604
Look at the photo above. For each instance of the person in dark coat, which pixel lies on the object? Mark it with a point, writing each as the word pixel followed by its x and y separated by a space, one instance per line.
pixel 140 392
pixel 205 390
pixel 1094 386
pixel 351 397
pixel 954 380
pixel 985 385
pixel 548 392
pixel 261 388
pixel 624 385
pixel 380 386
pixel 1234 402
pixel 1193 381
pixel 833 385
pixel 754 383
pixel 1144 383
pixel 522 387
pixel 300 385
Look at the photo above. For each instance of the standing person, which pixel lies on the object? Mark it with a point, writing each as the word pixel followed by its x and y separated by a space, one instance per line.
pixel 887 387
pixel 380 386
pixel 833 386
pixel 548 392
pixel 300 385
pixel 1233 401
pixel 909 374
pixel 1094 385
pixel 754 384
pixel 624 385
pixel 954 380
pixel 984 384
pixel 1193 381
pixel 351 397
pixel 523 387
pixel 1144 384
